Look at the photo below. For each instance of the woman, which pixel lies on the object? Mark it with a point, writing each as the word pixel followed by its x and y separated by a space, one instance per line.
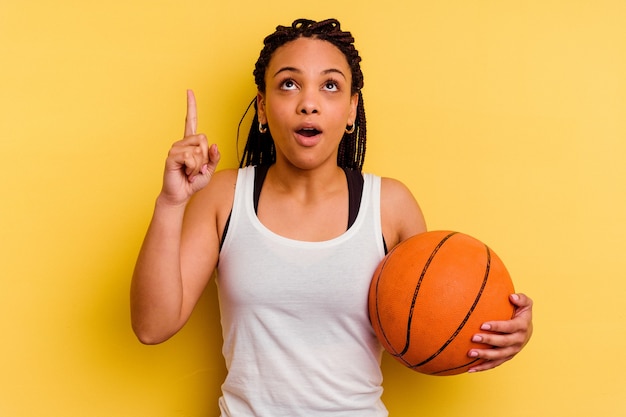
pixel 295 236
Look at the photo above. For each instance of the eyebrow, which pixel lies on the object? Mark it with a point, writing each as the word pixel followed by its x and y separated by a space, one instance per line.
pixel 296 70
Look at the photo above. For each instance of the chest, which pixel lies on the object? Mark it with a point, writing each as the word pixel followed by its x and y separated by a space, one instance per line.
pixel 314 222
pixel 301 280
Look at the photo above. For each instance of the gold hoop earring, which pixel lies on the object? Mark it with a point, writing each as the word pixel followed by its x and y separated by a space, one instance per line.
pixel 262 129
pixel 350 129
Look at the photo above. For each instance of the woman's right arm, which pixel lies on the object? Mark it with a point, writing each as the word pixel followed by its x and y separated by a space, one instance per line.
pixel 181 246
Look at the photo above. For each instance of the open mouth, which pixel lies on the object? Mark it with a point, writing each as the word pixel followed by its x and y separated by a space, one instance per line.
pixel 309 132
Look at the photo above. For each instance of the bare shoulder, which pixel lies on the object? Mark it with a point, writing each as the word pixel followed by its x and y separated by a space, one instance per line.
pixel 211 206
pixel 219 192
pixel 401 215
pixel 223 182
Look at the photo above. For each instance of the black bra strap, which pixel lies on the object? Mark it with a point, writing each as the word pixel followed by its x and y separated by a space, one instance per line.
pixel 355 191
pixel 260 172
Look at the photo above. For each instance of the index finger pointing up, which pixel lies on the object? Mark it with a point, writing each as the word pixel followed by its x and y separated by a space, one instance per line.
pixel 191 121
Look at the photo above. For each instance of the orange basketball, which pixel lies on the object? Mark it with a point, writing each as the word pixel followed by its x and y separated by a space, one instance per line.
pixel 431 294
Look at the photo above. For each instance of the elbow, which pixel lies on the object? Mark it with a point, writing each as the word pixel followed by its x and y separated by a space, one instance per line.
pixel 148 339
pixel 150 336
pixel 153 326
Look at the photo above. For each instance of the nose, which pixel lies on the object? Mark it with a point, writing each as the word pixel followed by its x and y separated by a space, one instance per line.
pixel 309 103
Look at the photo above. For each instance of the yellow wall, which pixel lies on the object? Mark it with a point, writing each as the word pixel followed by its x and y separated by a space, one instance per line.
pixel 507 119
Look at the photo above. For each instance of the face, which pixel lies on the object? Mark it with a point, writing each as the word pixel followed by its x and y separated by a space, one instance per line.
pixel 308 102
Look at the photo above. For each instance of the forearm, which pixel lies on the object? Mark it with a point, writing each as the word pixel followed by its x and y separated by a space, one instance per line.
pixel 157 289
pixel 173 266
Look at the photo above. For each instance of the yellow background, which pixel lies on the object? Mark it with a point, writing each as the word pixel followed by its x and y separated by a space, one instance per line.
pixel 507 119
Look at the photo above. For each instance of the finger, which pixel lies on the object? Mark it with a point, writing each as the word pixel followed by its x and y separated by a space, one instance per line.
pixel 194 165
pixel 486 365
pixel 520 321
pixel 496 354
pixel 210 166
pixel 196 146
pixel 194 157
pixel 191 120
pixel 214 158
pixel 500 340
pixel 516 324
pixel 185 157
pixel 192 141
pixel 521 301
pixel 202 143
pixel 188 160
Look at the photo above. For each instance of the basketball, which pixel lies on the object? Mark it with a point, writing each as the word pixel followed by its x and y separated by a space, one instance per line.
pixel 430 295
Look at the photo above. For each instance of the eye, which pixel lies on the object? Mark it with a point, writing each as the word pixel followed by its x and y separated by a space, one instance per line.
pixel 331 85
pixel 288 84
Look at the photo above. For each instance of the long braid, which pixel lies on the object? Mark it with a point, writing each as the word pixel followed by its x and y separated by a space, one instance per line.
pixel 352 146
pixel 260 148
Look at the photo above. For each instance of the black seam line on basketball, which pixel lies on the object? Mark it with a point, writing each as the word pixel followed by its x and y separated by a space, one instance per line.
pixel 382 329
pixel 455 368
pixel 469 313
pixel 417 288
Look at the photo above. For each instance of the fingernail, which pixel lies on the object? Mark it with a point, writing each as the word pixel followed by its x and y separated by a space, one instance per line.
pixel 473 354
pixel 515 297
pixel 485 327
pixel 477 339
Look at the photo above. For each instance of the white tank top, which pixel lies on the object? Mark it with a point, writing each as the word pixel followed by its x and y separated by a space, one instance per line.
pixel 297 336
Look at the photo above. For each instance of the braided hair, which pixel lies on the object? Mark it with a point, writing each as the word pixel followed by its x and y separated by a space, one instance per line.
pixel 260 148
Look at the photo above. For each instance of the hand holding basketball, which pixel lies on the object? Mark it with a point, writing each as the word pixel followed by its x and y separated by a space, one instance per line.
pixel 510 337
pixel 190 162
pixel 430 301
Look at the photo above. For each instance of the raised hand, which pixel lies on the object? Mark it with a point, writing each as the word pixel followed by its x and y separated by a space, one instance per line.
pixel 190 163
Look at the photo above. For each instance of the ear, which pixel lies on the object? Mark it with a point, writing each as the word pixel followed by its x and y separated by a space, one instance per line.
pixel 354 103
pixel 260 106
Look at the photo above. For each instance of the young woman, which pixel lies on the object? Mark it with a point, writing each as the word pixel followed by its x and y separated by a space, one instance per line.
pixel 295 235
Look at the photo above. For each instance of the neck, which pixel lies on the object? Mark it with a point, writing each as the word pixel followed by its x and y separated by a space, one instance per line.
pixel 306 183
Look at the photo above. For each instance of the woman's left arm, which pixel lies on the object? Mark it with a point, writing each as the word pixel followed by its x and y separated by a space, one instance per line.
pixel 403 218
